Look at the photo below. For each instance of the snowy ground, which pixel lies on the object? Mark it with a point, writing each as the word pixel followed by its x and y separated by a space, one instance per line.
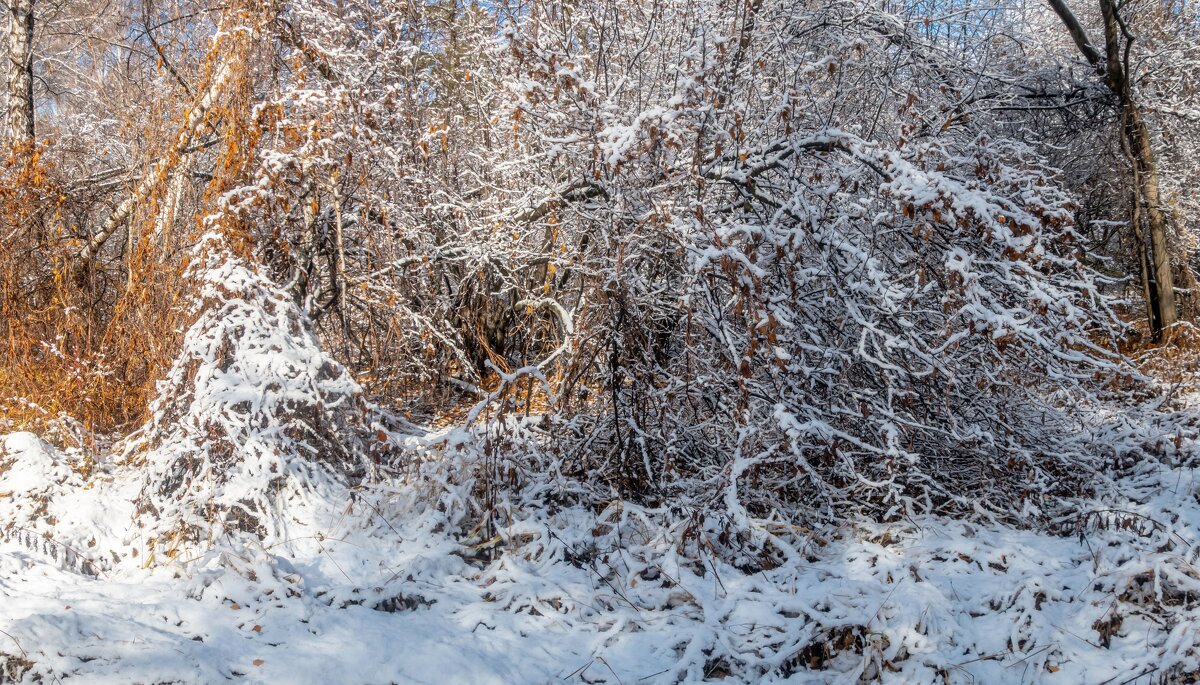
pixel 378 593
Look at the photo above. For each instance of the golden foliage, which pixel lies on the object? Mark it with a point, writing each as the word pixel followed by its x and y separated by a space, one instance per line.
pixel 88 336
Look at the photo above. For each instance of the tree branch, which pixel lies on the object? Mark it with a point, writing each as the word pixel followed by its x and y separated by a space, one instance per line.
pixel 1078 34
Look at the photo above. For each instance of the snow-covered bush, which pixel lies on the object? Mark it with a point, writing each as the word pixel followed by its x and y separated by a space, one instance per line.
pixel 739 273
pixel 796 292
pixel 253 417
pixel 749 260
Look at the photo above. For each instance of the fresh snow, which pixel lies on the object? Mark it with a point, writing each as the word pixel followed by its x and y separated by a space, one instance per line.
pixel 381 591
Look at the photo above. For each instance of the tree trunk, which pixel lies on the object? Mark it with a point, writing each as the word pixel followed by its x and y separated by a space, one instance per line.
pixel 1147 212
pixel 1147 219
pixel 1161 301
pixel 20 70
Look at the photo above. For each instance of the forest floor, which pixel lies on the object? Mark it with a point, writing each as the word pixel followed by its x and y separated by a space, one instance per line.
pixel 375 591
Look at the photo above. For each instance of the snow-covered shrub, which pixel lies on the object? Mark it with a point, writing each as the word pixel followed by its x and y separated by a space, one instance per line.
pixel 30 471
pixel 799 293
pixel 48 504
pixel 754 279
pixel 252 418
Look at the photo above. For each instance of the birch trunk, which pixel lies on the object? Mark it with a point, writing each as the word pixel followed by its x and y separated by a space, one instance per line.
pixel 20 70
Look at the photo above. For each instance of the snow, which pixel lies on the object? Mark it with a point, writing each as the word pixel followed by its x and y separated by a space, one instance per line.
pixel 31 461
pixel 253 414
pixel 120 632
pixel 386 592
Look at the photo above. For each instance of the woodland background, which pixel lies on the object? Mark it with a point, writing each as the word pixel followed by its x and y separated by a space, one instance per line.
pixel 741 274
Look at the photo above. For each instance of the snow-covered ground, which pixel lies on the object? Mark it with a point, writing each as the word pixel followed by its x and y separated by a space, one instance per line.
pixel 373 589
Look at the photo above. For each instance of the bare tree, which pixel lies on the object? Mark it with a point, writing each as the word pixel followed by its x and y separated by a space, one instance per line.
pixel 1147 218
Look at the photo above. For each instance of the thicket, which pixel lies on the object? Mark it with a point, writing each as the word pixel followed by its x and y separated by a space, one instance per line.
pixel 760 260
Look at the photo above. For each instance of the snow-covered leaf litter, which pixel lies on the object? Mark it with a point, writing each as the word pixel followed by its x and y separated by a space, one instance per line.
pixel 385 591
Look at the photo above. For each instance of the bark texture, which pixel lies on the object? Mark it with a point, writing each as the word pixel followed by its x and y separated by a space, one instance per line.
pixel 20 70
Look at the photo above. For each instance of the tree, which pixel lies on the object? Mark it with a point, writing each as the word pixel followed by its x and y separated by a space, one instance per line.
pixel 20 70
pixel 715 231
pixel 1147 218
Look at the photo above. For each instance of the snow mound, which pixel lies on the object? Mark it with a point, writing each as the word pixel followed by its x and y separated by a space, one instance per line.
pixel 30 467
pixel 48 506
pixel 252 419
